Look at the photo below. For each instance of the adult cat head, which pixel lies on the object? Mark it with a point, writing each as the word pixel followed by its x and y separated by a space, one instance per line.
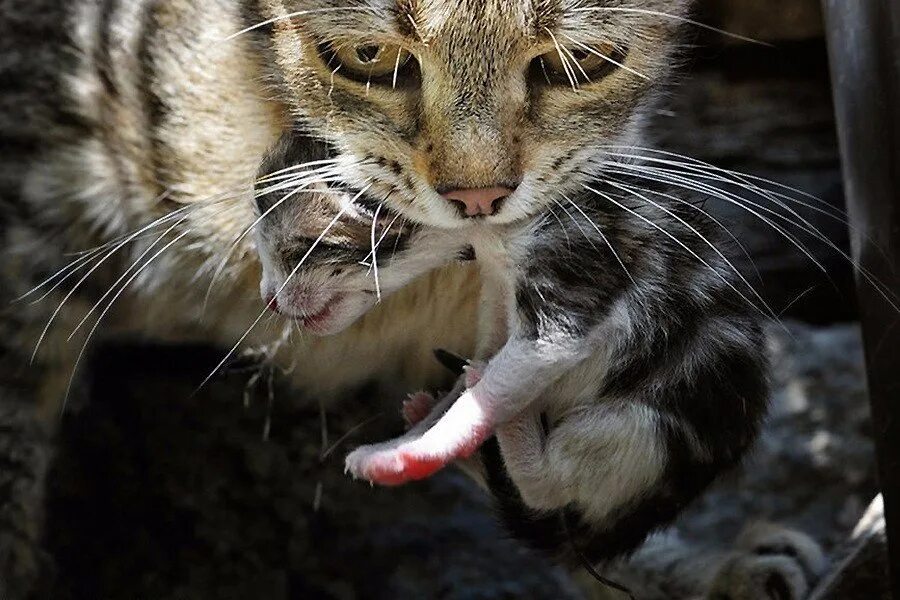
pixel 449 109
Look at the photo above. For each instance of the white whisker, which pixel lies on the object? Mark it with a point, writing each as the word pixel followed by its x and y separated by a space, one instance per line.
pixel 106 310
pixel 681 244
pixel 604 238
pixel 299 13
pixel 287 280
pixel 374 253
pixel 694 230
pixel 124 275
pixel 570 72
pixel 680 19
pixel 608 59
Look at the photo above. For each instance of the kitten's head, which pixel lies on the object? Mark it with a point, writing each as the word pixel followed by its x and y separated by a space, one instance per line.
pixel 315 245
pixel 446 109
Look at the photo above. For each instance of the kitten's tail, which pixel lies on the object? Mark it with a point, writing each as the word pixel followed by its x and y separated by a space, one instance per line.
pixel 558 534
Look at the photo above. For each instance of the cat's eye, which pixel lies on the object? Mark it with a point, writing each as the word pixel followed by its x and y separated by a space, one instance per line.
pixel 578 65
pixel 369 63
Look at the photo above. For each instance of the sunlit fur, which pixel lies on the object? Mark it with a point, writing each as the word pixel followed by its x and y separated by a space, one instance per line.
pixel 476 118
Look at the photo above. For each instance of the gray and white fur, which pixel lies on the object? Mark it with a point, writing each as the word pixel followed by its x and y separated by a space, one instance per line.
pixel 625 366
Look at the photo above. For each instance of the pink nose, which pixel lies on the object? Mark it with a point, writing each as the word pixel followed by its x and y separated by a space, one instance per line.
pixel 478 202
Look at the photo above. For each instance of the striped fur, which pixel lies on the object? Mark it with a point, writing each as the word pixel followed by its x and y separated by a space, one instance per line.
pixel 116 113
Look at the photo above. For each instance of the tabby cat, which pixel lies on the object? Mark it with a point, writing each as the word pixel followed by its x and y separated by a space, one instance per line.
pixel 131 133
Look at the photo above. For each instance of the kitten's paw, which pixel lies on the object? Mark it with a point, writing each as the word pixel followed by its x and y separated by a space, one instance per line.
pixel 392 466
pixel 776 563
pixel 416 407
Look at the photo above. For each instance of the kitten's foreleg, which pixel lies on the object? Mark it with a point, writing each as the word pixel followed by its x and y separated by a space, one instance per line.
pixel 508 385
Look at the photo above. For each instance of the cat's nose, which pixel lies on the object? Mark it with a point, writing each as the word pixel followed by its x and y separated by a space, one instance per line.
pixel 478 202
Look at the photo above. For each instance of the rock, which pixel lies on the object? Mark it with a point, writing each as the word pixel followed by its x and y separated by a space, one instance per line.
pixel 160 494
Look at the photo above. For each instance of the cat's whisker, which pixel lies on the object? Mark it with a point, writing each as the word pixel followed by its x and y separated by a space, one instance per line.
pixel 562 227
pixel 695 231
pixel 890 297
pixel 381 239
pixel 403 224
pixel 296 179
pixel 604 238
pixel 298 167
pixel 294 15
pixel 99 263
pixel 570 72
pixel 65 272
pixel 544 70
pixel 665 15
pixel 742 203
pixel 681 244
pixel 386 231
pixel 696 161
pixel 287 281
pixel 576 223
pixel 396 68
pixel 301 183
pixel 125 274
pixel 374 253
pixel 608 59
pixel 115 246
pixel 741 180
pixel 107 309
pixel 86 255
pixel 584 73
pixel 711 218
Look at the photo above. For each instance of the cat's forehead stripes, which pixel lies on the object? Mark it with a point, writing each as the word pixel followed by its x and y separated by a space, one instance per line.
pixel 491 21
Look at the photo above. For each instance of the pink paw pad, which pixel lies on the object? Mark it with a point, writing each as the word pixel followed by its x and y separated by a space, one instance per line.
pixel 404 468
pixel 417 407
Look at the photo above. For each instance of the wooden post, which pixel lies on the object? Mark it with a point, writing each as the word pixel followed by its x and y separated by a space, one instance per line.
pixel 864 46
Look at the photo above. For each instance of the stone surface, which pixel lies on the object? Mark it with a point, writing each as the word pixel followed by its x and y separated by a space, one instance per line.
pixel 860 571
pixel 160 494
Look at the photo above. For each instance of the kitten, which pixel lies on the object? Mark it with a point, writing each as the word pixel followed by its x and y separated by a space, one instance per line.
pixel 625 367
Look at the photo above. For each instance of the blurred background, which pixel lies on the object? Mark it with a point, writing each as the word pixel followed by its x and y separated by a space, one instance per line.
pixel 239 492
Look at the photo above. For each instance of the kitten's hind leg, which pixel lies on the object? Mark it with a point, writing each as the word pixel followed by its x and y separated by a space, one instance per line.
pixel 417 407
pixel 602 458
